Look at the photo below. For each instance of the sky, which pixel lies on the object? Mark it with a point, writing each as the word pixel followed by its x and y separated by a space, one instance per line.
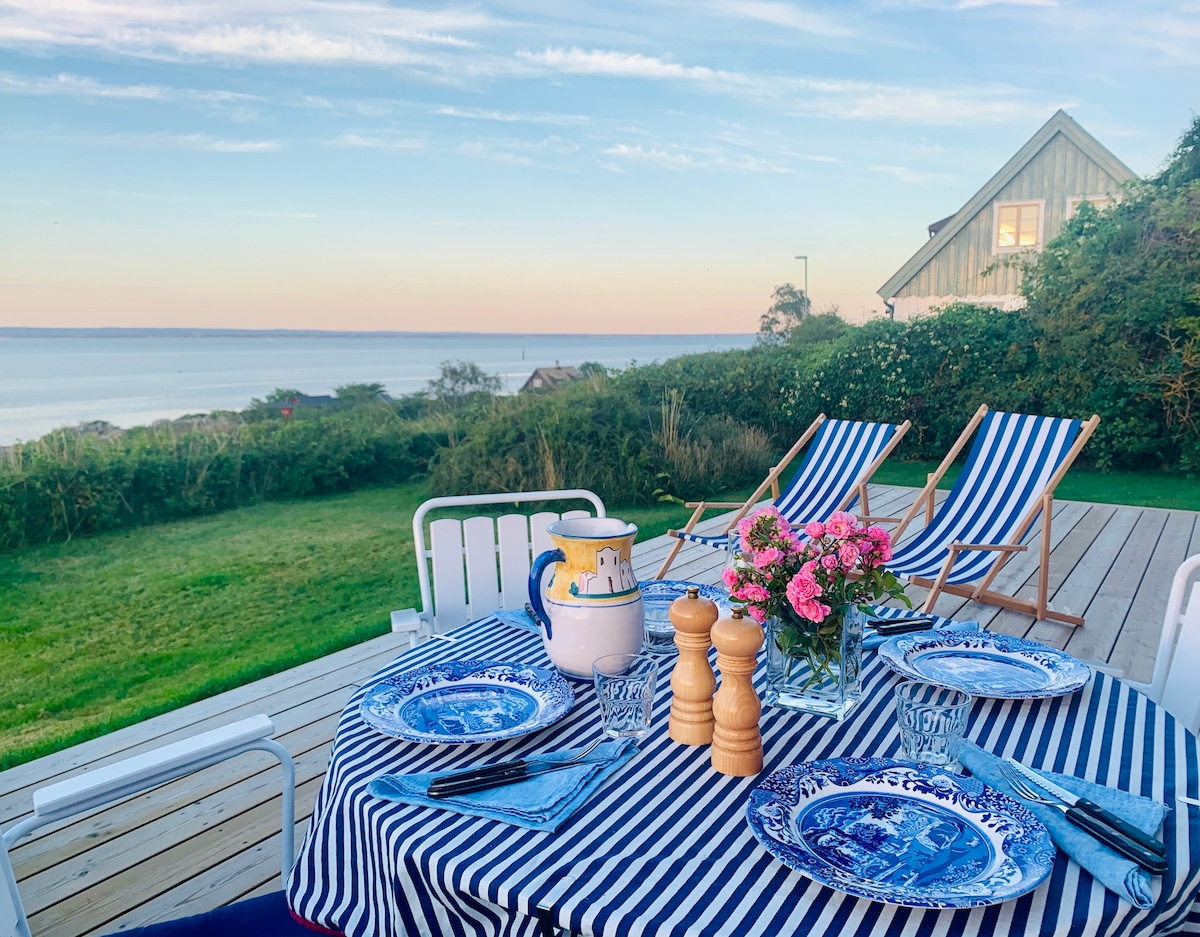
pixel 563 166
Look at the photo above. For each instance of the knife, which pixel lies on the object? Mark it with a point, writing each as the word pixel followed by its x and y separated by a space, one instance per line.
pixel 892 626
pixel 1142 838
pixel 453 787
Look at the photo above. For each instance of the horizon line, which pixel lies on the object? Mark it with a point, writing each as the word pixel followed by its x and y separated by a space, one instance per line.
pixel 116 331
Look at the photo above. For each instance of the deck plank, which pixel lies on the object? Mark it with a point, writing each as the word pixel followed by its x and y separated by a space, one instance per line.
pixel 213 837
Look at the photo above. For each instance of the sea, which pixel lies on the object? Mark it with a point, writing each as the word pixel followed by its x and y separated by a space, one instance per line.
pixel 51 378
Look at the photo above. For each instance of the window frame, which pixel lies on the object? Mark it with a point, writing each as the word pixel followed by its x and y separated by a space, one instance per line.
pixel 1041 226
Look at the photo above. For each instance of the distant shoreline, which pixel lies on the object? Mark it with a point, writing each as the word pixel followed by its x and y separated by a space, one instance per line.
pixel 120 332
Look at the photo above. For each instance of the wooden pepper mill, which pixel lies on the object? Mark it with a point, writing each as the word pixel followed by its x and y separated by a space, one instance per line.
pixel 737 742
pixel 692 681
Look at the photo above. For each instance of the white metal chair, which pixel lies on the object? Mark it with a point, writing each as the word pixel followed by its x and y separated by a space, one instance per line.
pixel 110 783
pixel 1177 663
pixel 472 567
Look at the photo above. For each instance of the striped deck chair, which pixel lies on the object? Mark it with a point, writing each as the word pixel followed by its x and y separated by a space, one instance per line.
pixel 1013 468
pixel 841 460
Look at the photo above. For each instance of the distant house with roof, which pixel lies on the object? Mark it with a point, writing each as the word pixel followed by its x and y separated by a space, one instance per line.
pixel 303 401
pixel 549 378
pixel 1021 208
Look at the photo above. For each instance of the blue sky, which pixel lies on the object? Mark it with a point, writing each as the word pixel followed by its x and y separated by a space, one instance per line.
pixel 574 167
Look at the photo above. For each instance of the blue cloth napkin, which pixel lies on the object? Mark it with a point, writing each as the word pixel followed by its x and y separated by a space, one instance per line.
pixel 518 619
pixel 543 802
pixel 872 639
pixel 1114 871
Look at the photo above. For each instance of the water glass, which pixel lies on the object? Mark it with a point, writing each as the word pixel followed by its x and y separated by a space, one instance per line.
pixel 625 686
pixel 932 722
pixel 660 633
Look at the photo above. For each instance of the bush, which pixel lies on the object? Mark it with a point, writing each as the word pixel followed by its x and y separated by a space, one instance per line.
pixel 67 483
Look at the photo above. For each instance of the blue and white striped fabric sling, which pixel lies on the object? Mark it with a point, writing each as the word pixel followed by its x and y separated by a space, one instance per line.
pixel 837 462
pixel 1013 460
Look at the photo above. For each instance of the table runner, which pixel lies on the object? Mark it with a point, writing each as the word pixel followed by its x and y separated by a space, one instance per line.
pixel 664 848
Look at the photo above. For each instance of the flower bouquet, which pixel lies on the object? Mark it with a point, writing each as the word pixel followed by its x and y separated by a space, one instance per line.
pixel 812 588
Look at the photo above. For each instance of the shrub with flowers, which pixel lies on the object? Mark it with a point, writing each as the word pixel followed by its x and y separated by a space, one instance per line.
pixel 809 578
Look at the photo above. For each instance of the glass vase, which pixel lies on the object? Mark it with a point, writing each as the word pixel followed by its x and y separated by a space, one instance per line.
pixel 825 684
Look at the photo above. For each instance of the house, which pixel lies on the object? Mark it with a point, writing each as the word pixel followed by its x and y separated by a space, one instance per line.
pixel 549 378
pixel 304 401
pixel 1020 209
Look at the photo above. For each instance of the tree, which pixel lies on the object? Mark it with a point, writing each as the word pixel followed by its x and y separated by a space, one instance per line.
pixel 592 369
pixel 283 394
pixel 789 308
pixel 361 393
pixel 460 380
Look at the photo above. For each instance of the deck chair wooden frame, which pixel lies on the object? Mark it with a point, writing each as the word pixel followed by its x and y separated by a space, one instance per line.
pixel 772 482
pixel 982 592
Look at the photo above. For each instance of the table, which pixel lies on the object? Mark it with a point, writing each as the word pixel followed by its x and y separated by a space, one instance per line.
pixel 664 848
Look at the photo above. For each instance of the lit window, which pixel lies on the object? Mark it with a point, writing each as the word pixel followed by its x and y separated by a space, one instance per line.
pixel 537 382
pixel 1018 225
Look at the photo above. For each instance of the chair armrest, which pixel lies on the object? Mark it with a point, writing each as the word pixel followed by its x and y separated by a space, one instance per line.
pixel 147 770
pixel 716 504
pixel 1003 547
pixel 406 620
pixel 867 519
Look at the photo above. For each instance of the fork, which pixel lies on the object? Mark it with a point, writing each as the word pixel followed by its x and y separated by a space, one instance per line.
pixel 505 772
pixel 1118 842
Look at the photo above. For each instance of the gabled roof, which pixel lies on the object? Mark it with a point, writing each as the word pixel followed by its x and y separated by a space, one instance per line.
pixel 1062 123
pixel 552 376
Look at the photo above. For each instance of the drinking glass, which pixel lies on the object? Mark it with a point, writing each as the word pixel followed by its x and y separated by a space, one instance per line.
pixel 932 722
pixel 625 686
pixel 660 633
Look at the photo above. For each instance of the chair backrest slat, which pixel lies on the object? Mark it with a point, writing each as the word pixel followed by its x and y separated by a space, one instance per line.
pixel 537 530
pixel 514 560
pixel 1179 695
pixel 449 584
pixel 479 542
pixel 838 456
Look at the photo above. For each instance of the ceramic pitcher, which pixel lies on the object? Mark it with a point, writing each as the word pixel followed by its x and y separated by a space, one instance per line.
pixel 592 605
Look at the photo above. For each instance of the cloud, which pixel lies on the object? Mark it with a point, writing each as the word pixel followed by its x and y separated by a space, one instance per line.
pixel 786 14
pixel 915 177
pixel 80 86
pixel 378 143
pixel 479 150
pixel 612 64
pixel 192 141
pixel 973 4
pixel 653 155
pixel 509 117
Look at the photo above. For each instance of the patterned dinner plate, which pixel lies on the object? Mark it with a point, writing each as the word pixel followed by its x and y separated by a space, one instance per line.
pixel 666 591
pixel 982 663
pixel 900 833
pixel 467 701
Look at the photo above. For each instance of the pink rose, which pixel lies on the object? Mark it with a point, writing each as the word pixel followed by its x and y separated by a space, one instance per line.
pixel 755 593
pixel 830 562
pixel 768 557
pixel 879 535
pixel 757 613
pixel 840 525
pixel 730 578
pixel 738 594
pixel 801 589
pixel 813 610
pixel 815 529
pixel 743 529
pixel 810 567
pixel 885 552
pixel 848 553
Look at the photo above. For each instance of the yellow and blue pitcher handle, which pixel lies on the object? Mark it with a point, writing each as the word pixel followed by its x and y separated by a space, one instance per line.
pixel 535 585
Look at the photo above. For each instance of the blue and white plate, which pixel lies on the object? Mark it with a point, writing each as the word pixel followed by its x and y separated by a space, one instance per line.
pixel 982 663
pixel 900 833
pixel 467 701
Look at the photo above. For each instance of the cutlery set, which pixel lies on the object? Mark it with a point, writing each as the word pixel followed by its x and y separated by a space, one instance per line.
pixel 888 627
pixel 1122 837
pixel 502 773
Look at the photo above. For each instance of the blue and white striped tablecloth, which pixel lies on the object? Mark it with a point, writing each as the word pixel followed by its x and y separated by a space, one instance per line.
pixel 664 848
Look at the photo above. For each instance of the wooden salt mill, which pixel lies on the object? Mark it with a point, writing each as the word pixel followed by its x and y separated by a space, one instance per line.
pixel 692 680
pixel 737 742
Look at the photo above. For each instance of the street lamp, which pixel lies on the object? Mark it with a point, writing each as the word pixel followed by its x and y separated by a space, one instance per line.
pixel 804 257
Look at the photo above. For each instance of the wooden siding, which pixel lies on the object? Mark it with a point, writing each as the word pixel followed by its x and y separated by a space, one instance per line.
pixel 1059 173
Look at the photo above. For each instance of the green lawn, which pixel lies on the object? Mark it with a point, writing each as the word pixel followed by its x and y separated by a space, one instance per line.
pixel 99 633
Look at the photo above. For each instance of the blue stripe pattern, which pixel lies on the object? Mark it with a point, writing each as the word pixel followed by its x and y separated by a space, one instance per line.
pixel 838 456
pixel 1012 460
pixel 663 847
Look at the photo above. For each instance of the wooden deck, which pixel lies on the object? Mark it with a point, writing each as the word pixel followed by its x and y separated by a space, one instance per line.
pixel 213 837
